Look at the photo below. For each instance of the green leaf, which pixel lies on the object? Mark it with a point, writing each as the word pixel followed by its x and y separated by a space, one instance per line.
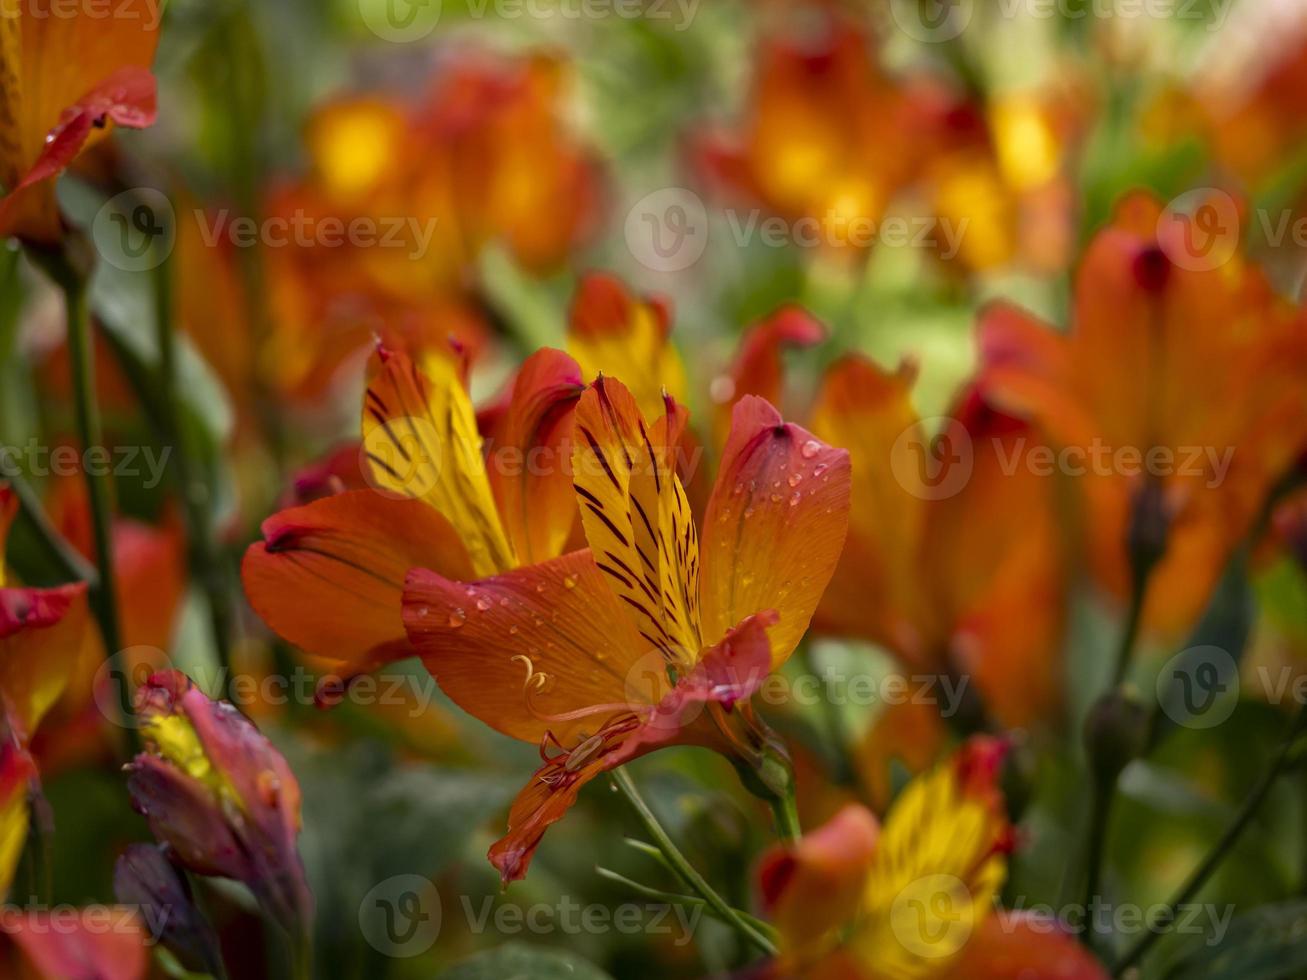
pixel 521 962
pixel 1268 943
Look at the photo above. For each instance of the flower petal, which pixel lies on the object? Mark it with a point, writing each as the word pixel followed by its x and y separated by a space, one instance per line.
pixel 875 594
pixel 421 441
pixel 612 331
pixel 522 649
pixel 16 773
pixel 531 456
pixel 775 525
pixel 42 636
pixel 1013 944
pixel 98 942
pixel 329 576
pixel 758 368
pixel 636 516
pixel 809 887
pixel 729 673
pixel 941 849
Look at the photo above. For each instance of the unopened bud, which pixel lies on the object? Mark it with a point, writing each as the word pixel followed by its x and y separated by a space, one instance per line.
pixel 1116 732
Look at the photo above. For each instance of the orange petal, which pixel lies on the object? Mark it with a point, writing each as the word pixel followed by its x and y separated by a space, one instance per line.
pixel 810 888
pixel 104 942
pixel 728 673
pixel 16 772
pixel 636 516
pixel 775 525
pixel 875 591
pixel 42 632
pixel 996 557
pixel 64 72
pixel 612 331
pixel 329 576
pixel 531 457
pixel 758 368
pixel 1011 944
pixel 520 650
pixel 911 734
pixel 421 441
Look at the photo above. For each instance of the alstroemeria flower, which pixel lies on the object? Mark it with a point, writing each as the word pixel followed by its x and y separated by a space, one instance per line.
pixel 1179 388
pixel 828 137
pixel 955 559
pixel 220 795
pixel 913 898
pixel 608 653
pixel 66 75
pixel 329 575
pixel 144 878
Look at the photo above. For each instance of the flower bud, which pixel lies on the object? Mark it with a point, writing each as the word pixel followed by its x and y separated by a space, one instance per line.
pixel 220 796
pixel 1117 730
pixel 145 879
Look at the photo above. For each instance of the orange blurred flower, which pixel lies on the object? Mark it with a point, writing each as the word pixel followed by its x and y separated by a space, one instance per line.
pixel 1179 388
pixel 67 75
pixel 914 898
pixel 605 654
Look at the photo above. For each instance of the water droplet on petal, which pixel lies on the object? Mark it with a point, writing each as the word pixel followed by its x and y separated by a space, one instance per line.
pixel 483 604
pixel 810 449
pixel 795 479
pixel 457 617
pixel 795 498
pixel 570 582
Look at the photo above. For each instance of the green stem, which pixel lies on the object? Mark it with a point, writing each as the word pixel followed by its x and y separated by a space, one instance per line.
pixel 73 283
pixel 686 871
pixel 787 818
pixel 206 565
pixel 1221 849
pixel 691 900
pixel 1101 796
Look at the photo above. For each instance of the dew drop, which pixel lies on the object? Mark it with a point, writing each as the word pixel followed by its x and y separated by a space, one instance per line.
pixel 483 604
pixel 795 479
pixel 457 617
pixel 570 582
pixel 513 631
pixel 810 449
pixel 795 498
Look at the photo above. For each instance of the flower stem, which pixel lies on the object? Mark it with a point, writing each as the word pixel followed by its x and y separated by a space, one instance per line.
pixel 1221 849
pixel 69 559
pixel 686 871
pixel 206 565
pixel 73 282
pixel 787 818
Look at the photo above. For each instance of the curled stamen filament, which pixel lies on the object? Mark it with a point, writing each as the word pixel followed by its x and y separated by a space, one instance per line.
pixel 536 682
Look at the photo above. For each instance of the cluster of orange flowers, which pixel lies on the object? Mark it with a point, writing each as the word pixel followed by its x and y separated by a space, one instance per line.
pixel 583 567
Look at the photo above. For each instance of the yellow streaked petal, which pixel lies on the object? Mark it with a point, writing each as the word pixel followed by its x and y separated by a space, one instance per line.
pixel 421 441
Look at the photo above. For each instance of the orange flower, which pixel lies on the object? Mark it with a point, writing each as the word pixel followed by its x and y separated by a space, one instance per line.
pixel 954 559
pixel 1178 388
pixel 329 575
pixel 915 897
pixel 827 135
pixel 612 652
pixel 67 74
